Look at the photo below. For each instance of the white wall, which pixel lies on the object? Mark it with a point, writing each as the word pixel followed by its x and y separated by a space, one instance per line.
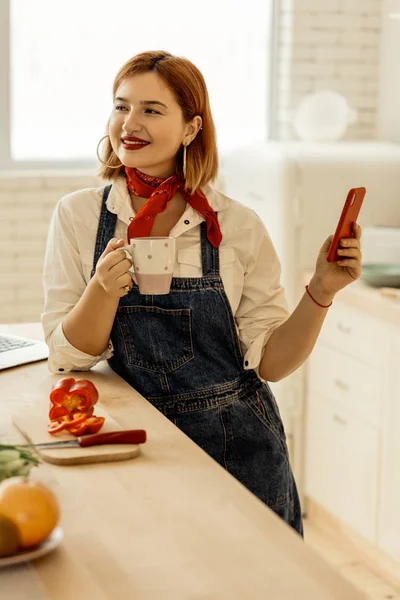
pixel 331 44
pixel 389 112
pixel 26 204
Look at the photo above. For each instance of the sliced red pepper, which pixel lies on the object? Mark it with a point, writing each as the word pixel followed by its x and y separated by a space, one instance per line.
pixel 91 425
pixel 78 430
pixel 75 419
pixel 55 427
pixel 94 424
pixel 67 422
pixel 74 394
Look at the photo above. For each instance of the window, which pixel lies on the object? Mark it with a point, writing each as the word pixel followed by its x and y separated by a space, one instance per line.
pixel 64 56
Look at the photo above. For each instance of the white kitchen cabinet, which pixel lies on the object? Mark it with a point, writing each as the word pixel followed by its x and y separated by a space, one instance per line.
pixel 389 510
pixel 352 332
pixel 342 464
pixel 320 475
pixel 348 381
pixel 343 421
pixel 352 421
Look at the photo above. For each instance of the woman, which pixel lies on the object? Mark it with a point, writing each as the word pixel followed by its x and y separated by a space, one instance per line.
pixel 203 353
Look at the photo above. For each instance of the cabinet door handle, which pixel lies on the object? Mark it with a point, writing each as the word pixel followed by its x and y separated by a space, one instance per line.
pixel 339 420
pixel 343 328
pixel 341 385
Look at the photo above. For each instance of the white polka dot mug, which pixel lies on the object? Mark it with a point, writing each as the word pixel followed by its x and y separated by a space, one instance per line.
pixel 153 260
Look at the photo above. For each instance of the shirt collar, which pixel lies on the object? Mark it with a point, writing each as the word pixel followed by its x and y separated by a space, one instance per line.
pixel 119 201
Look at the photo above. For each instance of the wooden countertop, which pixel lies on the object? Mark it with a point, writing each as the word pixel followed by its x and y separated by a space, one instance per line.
pixel 169 525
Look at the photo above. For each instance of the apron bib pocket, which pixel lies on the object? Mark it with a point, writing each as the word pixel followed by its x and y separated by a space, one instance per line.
pixel 156 339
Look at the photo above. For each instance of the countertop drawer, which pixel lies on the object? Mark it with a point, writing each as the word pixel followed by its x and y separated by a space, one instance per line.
pixel 347 381
pixel 341 471
pixel 352 332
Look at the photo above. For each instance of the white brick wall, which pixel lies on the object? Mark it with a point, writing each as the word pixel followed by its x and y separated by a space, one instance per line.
pixel 26 204
pixel 331 44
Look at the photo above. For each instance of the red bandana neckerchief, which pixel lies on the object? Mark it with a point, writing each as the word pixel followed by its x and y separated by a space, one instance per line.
pixel 159 192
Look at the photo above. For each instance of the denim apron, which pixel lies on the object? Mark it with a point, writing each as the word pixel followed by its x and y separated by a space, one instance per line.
pixel 181 352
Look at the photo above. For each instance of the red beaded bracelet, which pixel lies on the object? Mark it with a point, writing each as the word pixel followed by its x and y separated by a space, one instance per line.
pixel 313 299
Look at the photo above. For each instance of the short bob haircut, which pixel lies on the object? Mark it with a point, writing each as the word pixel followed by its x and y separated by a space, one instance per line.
pixel 187 83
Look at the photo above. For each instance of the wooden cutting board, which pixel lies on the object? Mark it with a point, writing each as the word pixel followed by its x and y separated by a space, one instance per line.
pixel 33 427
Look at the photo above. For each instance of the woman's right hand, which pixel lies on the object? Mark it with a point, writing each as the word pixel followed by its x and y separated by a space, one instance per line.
pixel 112 270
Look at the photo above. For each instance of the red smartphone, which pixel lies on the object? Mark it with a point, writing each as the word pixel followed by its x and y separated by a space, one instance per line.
pixel 349 216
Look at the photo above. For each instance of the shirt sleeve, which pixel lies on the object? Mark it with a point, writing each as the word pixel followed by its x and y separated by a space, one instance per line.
pixel 63 284
pixel 263 305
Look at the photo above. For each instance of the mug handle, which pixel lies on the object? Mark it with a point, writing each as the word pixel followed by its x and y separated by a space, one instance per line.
pixel 128 255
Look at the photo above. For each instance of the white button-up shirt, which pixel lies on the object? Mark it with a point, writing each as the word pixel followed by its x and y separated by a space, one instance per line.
pixel 249 268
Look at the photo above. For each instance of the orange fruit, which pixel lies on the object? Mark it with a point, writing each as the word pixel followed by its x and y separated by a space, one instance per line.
pixel 31 506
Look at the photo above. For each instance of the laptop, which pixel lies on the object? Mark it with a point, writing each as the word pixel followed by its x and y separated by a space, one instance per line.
pixel 15 351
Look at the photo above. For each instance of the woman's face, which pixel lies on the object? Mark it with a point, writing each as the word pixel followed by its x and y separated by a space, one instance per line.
pixel 146 127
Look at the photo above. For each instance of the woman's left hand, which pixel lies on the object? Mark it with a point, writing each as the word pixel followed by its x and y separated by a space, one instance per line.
pixel 333 276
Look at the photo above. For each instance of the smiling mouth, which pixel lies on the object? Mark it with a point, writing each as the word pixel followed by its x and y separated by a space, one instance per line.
pixel 133 144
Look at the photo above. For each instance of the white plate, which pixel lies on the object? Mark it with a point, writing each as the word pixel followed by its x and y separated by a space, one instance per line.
pixel 54 539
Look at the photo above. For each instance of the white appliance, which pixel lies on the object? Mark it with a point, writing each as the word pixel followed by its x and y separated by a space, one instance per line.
pixel 298 189
pixel 381 245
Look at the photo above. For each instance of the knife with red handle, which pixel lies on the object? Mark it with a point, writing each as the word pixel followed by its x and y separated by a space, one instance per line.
pixel 130 436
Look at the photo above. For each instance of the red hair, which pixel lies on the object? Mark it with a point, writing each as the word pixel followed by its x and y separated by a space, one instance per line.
pixel 187 83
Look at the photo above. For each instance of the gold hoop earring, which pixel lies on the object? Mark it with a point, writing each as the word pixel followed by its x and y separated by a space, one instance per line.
pixel 184 162
pixel 102 161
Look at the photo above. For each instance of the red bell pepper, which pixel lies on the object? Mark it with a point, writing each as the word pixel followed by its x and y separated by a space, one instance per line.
pixel 72 405
pixel 56 412
pixel 69 394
